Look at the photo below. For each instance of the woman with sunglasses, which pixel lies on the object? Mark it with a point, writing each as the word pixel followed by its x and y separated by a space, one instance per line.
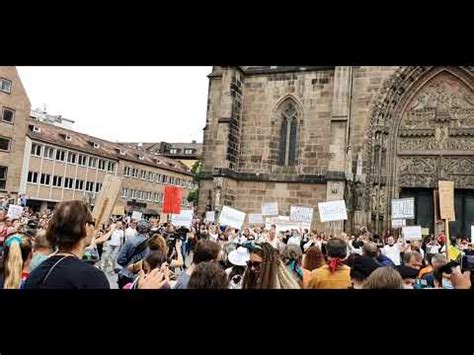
pixel 265 269
pixel 70 231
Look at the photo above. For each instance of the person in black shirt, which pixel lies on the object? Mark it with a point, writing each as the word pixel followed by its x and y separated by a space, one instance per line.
pixel 70 231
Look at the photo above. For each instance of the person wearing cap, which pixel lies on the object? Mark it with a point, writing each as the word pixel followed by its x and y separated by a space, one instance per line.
pixel 361 268
pixel 133 250
pixel 238 258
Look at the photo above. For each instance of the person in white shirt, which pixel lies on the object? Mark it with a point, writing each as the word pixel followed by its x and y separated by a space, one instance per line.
pixel 113 247
pixel 392 250
pixel 295 239
pixel 131 230
pixel 273 239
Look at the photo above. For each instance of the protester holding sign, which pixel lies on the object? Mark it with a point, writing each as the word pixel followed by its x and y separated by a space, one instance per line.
pixel 393 249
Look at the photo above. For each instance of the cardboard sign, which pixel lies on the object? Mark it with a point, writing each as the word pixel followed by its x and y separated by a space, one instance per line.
pixel 106 198
pixel 210 216
pixel 398 223
pixel 255 218
pixel 446 200
pixel 172 200
pixel 15 211
pixel 184 219
pixel 118 211
pixel 301 214
pixel 412 232
pixel 270 208
pixel 283 224
pixel 403 208
pixel 231 217
pixel 425 231
pixel 137 215
pixel 332 211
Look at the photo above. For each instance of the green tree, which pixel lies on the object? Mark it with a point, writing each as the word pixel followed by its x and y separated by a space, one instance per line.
pixel 196 170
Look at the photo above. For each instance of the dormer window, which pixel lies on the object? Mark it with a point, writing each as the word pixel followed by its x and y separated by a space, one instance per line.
pixel 173 151
pixel 94 144
pixel 141 157
pixel 34 128
pixel 188 151
pixel 68 137
pixel 120 151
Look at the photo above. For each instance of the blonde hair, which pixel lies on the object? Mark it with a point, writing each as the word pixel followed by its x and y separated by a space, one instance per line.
pixel 16 252
pixel 384 278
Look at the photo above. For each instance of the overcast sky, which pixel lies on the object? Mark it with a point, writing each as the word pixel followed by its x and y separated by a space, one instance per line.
pixel 134 104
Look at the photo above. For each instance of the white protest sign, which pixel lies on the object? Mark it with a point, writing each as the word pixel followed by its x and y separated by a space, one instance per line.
pixel 412 232
pixel 231 217
pixel 270 208
pixel 283 224
pixel 332 211
pixel 301 214
pixel 210 215
pixel 472 234
pixel 15 211
pixel 184 219
pixel 137 215
pixel 398 223
pixel 255 218
pixel 403 208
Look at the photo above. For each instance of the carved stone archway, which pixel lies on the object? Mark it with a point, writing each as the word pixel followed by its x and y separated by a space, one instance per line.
pixel 421 130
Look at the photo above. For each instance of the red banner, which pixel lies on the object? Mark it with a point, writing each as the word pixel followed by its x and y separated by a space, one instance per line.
pixel 172 203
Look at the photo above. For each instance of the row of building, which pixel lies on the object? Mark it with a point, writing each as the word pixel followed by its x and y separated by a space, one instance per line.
pixel 43 158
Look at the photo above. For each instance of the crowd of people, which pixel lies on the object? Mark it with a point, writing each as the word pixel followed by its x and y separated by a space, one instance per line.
pixel 64 249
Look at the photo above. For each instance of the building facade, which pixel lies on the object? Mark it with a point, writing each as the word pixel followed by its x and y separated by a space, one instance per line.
pixel 303 135
pixel 60 164
pixel 14 111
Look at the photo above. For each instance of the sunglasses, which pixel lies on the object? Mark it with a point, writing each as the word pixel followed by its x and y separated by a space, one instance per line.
pixel 253 264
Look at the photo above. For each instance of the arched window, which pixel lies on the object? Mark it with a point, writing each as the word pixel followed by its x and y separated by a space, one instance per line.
pixel 288 133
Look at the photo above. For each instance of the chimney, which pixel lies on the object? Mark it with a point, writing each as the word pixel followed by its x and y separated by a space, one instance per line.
pixel 193 141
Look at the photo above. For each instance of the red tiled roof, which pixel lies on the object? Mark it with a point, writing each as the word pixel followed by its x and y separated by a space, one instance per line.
pixel 83 142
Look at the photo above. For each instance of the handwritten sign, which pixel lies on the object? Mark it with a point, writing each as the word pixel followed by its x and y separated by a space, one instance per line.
pixel 332 211
pixel 15 211
pixel 270 208
pixel 231 217
pixel 403 208
pixel 283 224
pixel 255 218
pixel 301 214
pixel 446 200
pixel 210 216
pixel 412 232
pixel 183 219
pixel 398 223
pixel 137 215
